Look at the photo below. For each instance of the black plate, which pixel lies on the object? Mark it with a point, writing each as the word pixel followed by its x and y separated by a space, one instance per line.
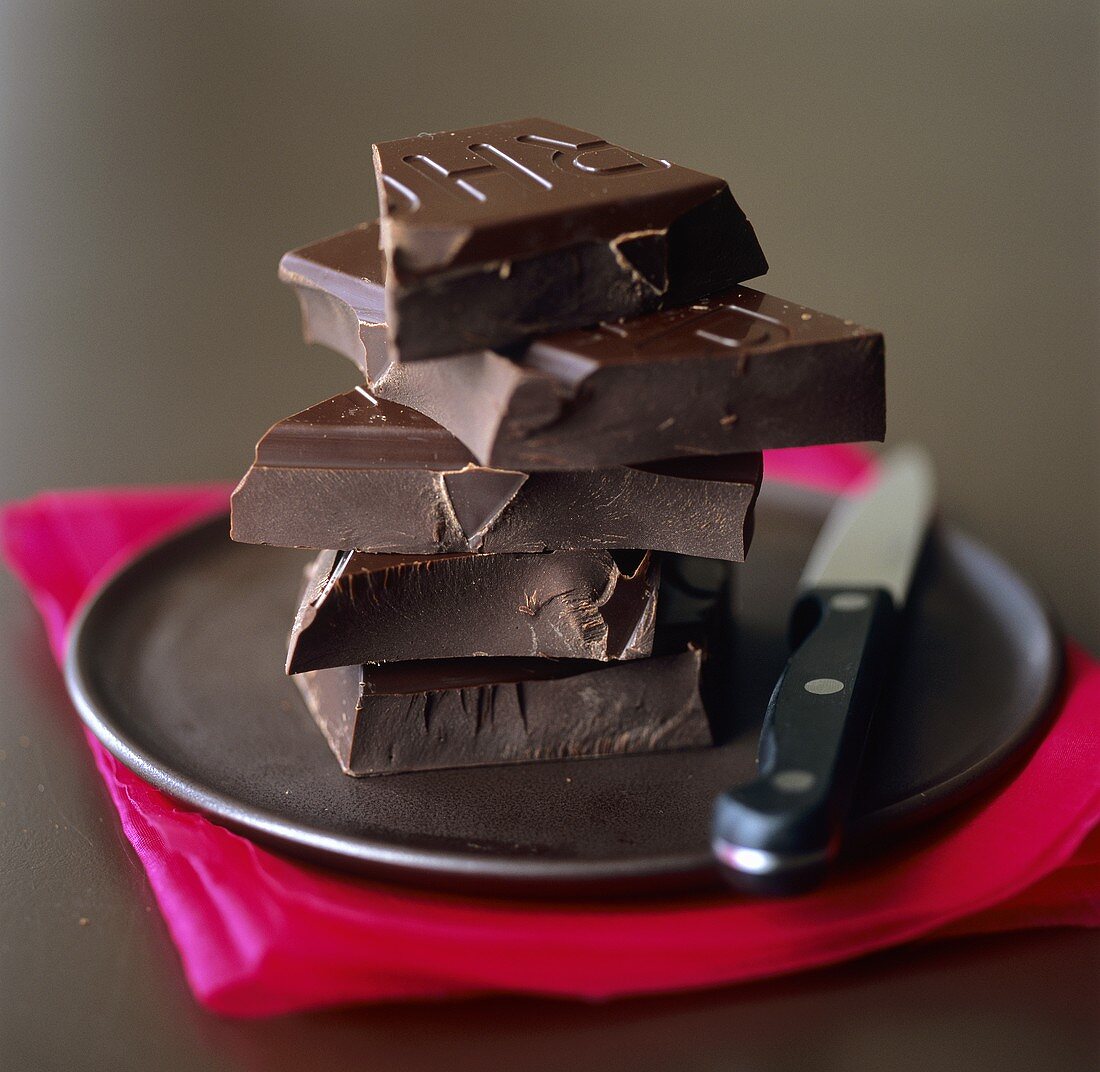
pixel 177 668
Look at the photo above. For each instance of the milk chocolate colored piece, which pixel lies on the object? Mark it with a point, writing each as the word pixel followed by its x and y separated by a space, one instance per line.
pixel 472 712
pixel 355 473
pixel 496 233
pixel 741 371
pixel 371 608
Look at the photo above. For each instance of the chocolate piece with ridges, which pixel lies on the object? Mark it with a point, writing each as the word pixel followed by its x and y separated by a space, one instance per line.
pixel 474 712
pixel 741 371
pixel 358 473
pixel 496 233
pixel 375 608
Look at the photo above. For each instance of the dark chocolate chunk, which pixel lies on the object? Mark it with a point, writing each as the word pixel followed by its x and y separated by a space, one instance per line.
pixel 372 608
pixel 340 284
pixel 741 371
pixel 500 232
pixel 356 473
pixel 473 712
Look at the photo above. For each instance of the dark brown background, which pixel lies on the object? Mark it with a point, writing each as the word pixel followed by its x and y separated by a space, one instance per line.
pixel 930 171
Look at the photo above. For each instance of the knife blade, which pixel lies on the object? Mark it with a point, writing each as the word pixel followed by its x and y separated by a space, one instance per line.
pixel 779 833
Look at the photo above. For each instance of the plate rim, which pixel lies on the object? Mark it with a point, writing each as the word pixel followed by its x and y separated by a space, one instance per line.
pixel 417 864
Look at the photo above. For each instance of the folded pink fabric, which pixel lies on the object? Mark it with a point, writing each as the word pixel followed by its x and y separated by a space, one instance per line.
pixel 261 934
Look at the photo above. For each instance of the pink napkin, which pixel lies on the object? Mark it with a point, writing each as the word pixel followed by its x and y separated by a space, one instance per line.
pixel 261 934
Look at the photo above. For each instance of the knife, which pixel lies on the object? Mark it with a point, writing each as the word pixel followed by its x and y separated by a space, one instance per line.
pixel 778 833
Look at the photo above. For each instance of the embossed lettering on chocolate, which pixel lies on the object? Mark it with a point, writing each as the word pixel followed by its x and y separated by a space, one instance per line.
pixel 359 473
pixel 739 371
pixel 374 608
pixel 496 233
pixel 472 712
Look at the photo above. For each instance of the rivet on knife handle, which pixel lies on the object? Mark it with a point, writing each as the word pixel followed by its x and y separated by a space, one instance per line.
pixel 777 834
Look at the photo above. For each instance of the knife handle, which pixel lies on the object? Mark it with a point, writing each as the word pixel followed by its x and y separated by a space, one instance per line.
pixel 778 833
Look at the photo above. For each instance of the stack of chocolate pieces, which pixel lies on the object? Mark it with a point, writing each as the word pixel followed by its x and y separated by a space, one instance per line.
pixel 566 390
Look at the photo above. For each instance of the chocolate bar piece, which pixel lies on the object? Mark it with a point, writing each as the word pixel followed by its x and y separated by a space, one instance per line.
pixel 340 282
pixel 500 232
pixel 472 712
pixel 359 473
pixel 372 608
pixel 741 371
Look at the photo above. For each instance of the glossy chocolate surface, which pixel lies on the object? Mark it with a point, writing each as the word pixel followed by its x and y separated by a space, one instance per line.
pixel 741 371
pixel 496 233
pixel 359 473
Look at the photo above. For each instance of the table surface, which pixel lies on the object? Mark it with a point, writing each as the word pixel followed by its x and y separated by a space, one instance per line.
pixel 930 171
